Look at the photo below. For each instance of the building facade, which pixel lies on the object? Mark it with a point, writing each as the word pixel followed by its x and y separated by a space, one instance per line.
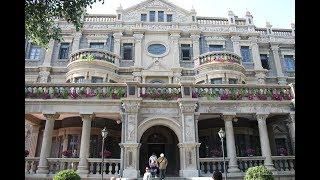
pixel 161 80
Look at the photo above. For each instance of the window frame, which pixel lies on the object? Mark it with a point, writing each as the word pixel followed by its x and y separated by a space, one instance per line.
pixel 125 46
pixel 62 54
pixel 37 50
pixel 182 48
pixel 286 61
pixel 266 59
pixel 233 79
pixel 213 79
pixel 214 50
pixel 97 44
pixel 153 17
pixel 145 17
pixel 169 19
pixel 242 48
pixel 159 19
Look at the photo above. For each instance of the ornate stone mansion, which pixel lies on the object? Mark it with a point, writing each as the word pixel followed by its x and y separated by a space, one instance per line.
pixel 161 79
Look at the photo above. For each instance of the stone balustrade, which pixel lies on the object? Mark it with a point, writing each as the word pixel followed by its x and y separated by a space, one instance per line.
pixel 242 92
pixel 241 22
pixel 59 164
pixel 217 57
pixel 283 32
pixel 75 91
pixel 246 162
pixel 160 91
pixel 261 31
pixel 213 21
pixel 31 165
pixel 284 163
pixel 100 18
pixel 94 54
pixel 209 165
pixel 110 167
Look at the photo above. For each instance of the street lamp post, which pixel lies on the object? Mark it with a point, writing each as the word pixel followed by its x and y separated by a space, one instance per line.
pixel 104 134
pixel 222 135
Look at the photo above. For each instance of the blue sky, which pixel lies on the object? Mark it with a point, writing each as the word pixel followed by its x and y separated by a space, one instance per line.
pixel 280 13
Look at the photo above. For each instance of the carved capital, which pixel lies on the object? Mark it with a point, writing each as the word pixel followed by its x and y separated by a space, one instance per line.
pixel 52 116
pixel 228 117
pixel 275 48
pixel 131 106
pixel 138 37
pixel 254 40
pixel 195 37
pixel 175 37
pixel 117 35
pixel 235 38
pixel 187 108
pixel 261 117
pixel 87 116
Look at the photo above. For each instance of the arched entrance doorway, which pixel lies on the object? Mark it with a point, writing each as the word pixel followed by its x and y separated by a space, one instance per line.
pixel 160 139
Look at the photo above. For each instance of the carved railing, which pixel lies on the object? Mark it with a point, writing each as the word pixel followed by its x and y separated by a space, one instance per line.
pixel 31 165
pixel 214 21
pixel 284 163
pixel 94 54
pixel 75 91
pixel 217 57
pixel 100 18
pixel 160 91
pixel 246 162
pixel 262 32
pixel 209 165
pixel 285 33
pixel 242 92
pixel 240 22
pixel 110 167
pixel 58 164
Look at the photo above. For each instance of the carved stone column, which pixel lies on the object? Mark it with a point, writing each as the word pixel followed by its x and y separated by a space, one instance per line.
pixel 236 46
pixel 83 168
pixel 264 141
pixel 292 128
pixel 277 61
pixel 231 145
pixel 260 72
pixel 117 45
pixel 130 146
pixel 195 45
pixel 34 140
pixel 189 145
pixel 44 73
pixel 76 42
pixel 175 49
pixel 46 143
pixel 138 48
pixel 48 54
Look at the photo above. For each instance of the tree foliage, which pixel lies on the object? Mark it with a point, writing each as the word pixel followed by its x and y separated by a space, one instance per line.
pixel 68 174
pixel 258 173
pixel 40 16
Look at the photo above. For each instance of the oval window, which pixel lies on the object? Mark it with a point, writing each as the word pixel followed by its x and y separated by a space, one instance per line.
pixel 157 49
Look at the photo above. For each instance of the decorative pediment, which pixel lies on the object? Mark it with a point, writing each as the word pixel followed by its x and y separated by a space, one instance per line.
pixel 133 13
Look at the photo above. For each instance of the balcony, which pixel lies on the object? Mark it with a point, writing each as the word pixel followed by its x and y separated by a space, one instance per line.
pixel 221 64
pixel 87 63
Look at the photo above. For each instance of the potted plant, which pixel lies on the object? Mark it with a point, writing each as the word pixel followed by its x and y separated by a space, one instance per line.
pixel 67 154
pixel 106 154
pixel 26 153
pixel 250 151
pixel 67 175
pixel 258 173
pixel 216 152
pixel 283 151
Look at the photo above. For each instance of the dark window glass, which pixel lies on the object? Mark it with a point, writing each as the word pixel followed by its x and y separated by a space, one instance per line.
pixel 119 16
pixel 64 51
pixel 193 18
pixel 127 51
pixel 169 17
pixel 97 45
pixel 144 17
pixel 156 49
pixel 245 53
pixel 96 79
pixel 34 52
pixel 160 16
pixel 215 48
pixel 264 61
pixel 79 79
pixel 152 16
pixel 233 81
pixel 289 62
pixel 185 51
pixel 216 81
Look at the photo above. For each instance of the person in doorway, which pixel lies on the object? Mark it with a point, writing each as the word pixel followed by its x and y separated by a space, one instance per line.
pixel 153 164
pixel 163 162
pixel 147 175
pixel 217 175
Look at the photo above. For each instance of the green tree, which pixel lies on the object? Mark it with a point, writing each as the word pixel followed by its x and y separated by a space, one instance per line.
pixel 258 173
pixel 40 15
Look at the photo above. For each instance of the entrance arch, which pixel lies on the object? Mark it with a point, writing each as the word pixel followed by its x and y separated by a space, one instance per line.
pixel 160 139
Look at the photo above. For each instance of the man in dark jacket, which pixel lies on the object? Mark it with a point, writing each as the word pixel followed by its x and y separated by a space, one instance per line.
pixel 163 162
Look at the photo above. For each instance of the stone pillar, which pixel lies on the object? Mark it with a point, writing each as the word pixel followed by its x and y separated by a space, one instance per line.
pixel 277 61
pixel 175 49
pixel 117 45
pixel 137 49
pixel 260 72
pixel 83 168
pixel 189 146
pixel 34 140
pixel 76 42
pixel 48 55
pixel 231 145
pixel 44 73
pixel 236 46
pixel 46 143
pixel 65 143
pixel 292 128
pixel 195 45
pixel 130 146
pixel 293 29
pixel 264 141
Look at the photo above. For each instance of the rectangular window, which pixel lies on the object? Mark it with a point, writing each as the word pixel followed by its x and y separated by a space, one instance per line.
pixel 160 16
pixel 233 81
pixel 216 81
pixel 127 51
pixel 193 18
pixel 152 16
pixel 144 17
pixel 64 51
pixel 264 61
pixel 289 62
pixel 79 79
pixel 169 17
pixel 185 52
pixel 96 79
pixel 215 48
pixel 97 45
pixel 245 53
pixel 34 52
